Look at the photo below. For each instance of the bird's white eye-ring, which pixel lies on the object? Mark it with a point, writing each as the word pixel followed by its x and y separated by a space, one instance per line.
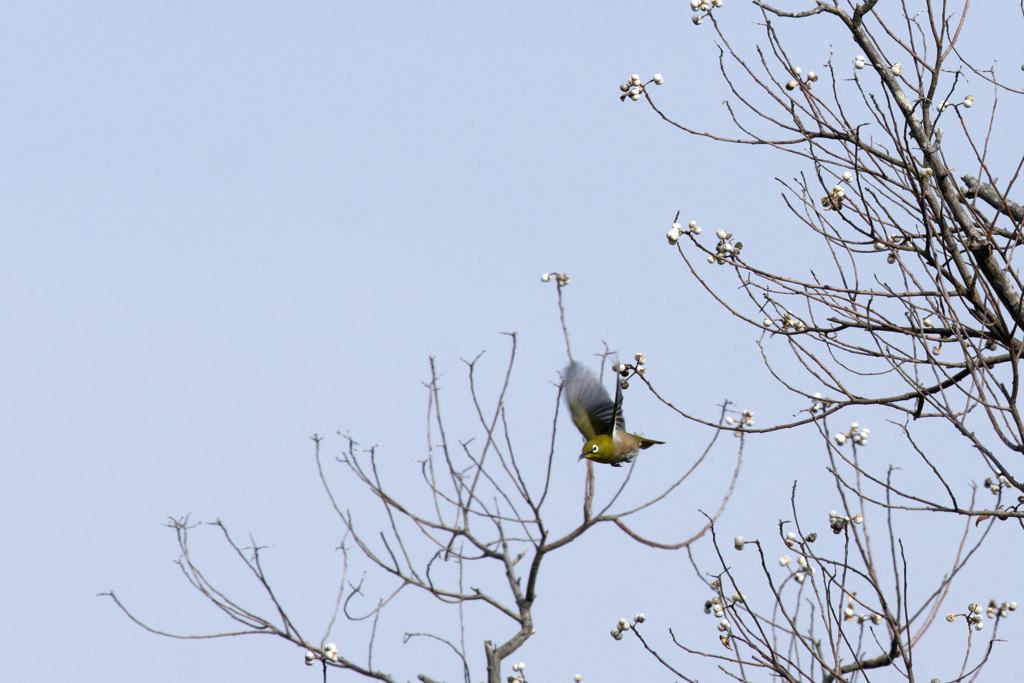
pixel 595 448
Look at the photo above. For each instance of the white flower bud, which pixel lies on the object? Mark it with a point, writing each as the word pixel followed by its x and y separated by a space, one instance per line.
pixel 1012 606
pixel 799 577
pixel 840 439
pixel 739 542
pixel 635 97
pixel 658 79
pixel 721 234
pixel 673 235
pixel 723 625
pixel 578 678
pixel 969 101
pixel 696 230
pixel 847 176
pixel 331 647
pixel 767 322
pixel 858 518
pixel 624 87
pixel 623 624
pixel 640 618
pixel 950 617
pixel 897 69
pixel 635 79
pixel 797 71
pixel 546 277
pixel 696 19
pixel 310 658
pixel 695 5
pixel 791 85
pixel 784 561
pixel 811 76
pixel 711 259
pixel 979 625
pixel 890 259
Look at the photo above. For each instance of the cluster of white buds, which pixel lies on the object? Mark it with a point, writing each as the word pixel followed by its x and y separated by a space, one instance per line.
pixel 746 420
pixel 518 676
pixel 635 87
pixel 624 625
pixel 996 485
pixel 791 540
pixel 943 105
pixel 725 248
pixel 702 7
pixel 849 614
pixel 834 200
pixel 859 435
pixel 819 403
pixel 561 278
pixel 996 609
pixel 676 231
pixel 858 62
pixel 896 69
pixel 805 568
pixel 838 523
pixel 797 71
pixel 787 322
pixel 310 657
pixel 331 652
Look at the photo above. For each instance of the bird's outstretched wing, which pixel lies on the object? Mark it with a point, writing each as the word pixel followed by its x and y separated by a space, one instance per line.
pixel 592 409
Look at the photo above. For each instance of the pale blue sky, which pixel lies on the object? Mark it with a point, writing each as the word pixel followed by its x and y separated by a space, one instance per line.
pixel 229 226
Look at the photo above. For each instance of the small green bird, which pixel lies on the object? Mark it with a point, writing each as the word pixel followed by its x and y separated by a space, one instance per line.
pixel 600 419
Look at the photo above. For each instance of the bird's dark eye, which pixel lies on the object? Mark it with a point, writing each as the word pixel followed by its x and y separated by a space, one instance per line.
pixel 595 448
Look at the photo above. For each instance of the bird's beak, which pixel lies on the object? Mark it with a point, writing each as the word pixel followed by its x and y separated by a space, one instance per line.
pixel 582 455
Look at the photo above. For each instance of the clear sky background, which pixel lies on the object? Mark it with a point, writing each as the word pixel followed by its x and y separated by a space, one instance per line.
pixel 229 226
